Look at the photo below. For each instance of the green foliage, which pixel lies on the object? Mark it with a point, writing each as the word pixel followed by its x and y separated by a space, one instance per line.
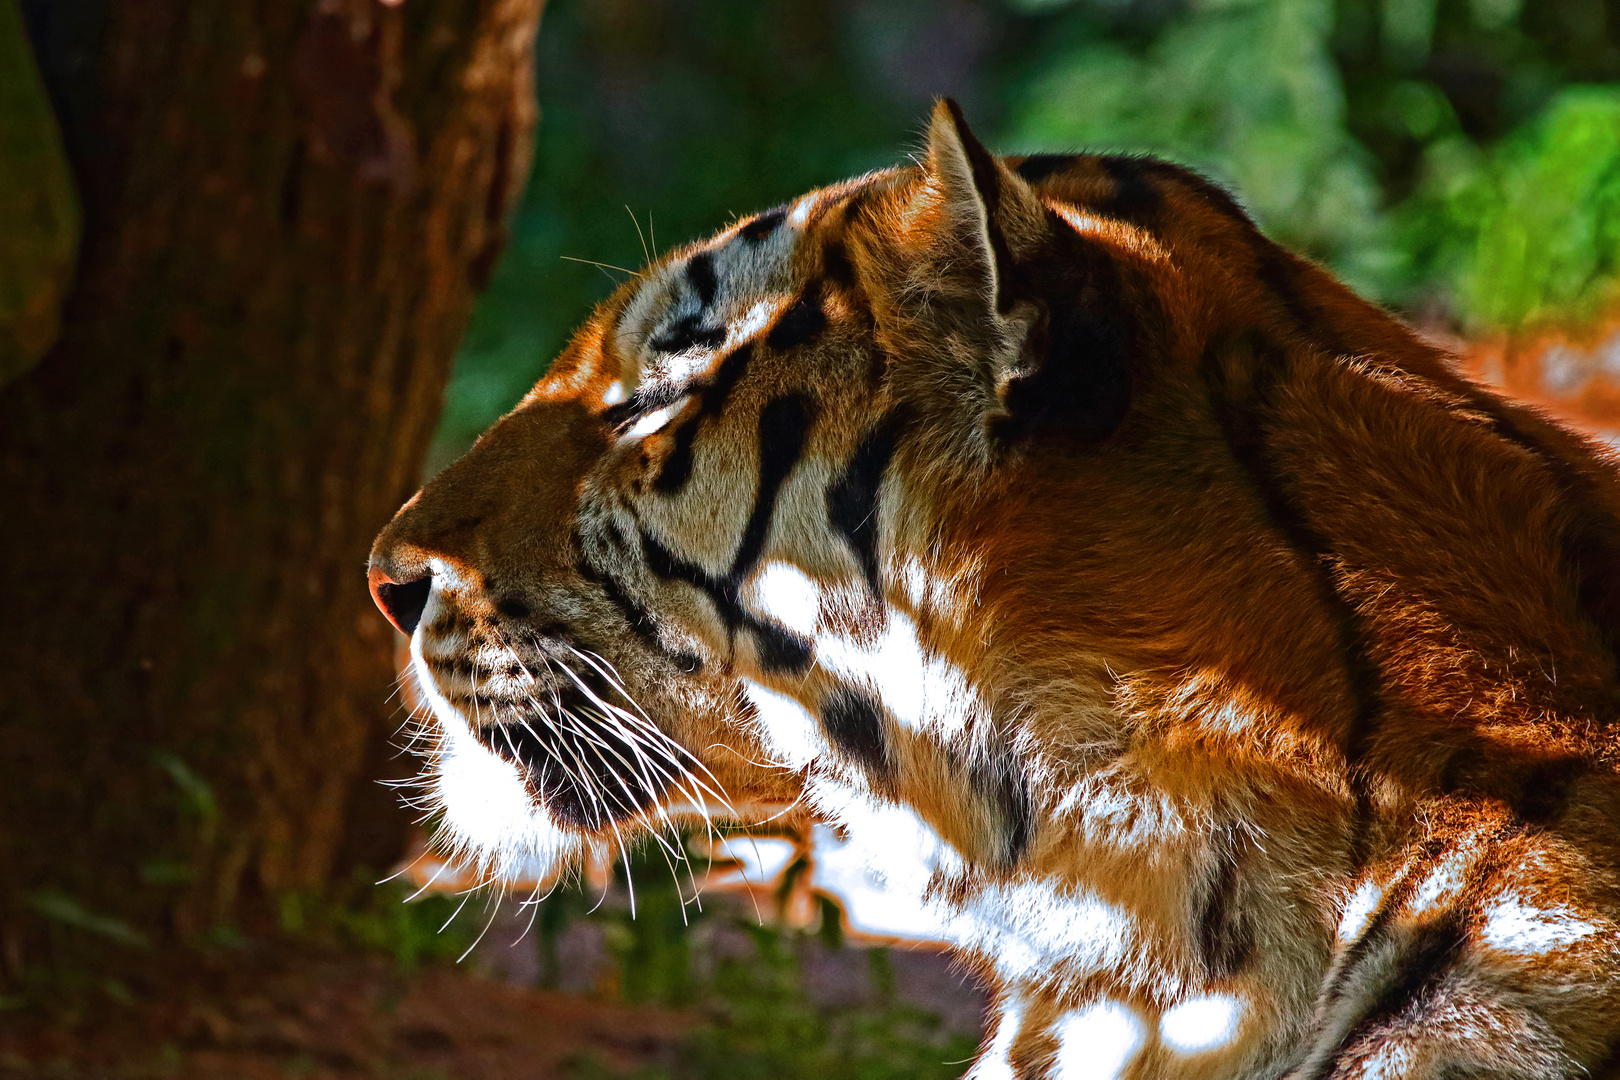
pixel 426 929
pixel 1531 233
pixel 62 910
pixel 1245 90
pixel 764 1028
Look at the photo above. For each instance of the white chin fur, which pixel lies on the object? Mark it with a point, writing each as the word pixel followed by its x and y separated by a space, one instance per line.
pixel 488 820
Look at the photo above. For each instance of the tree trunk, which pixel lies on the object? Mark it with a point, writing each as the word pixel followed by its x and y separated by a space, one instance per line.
pixel 288 208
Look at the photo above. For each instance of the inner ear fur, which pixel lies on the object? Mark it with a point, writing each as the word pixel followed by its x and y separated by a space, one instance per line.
pixel 1058 348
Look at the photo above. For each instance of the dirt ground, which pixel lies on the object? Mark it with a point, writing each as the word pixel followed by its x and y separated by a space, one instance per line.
pixel 315 1016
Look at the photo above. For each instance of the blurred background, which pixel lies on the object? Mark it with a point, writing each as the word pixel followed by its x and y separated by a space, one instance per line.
pixel 265 267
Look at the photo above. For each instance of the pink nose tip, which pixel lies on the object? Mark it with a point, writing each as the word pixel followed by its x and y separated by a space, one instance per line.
pixel 401 601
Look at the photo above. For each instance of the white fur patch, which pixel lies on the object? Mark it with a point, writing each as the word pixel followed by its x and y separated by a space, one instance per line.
pixel 753 321
pixel 1029 930
pixel 786 594
pixel 1097 1042
pixel 872 904
pixel 1201 1023
pixel 487 812
pixel 920 690
pixel 802 210
pixel 1440 885
pixel 651 422
pixel 996 1061
pixel 1359 911
pixel 791 734
pixel 1513 926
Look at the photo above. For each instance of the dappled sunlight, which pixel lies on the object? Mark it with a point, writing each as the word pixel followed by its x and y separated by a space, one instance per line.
pixel 1358 912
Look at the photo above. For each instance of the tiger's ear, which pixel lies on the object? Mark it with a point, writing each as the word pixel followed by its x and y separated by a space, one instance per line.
pixel 1054 349
pixel 982 222
pixel 984 210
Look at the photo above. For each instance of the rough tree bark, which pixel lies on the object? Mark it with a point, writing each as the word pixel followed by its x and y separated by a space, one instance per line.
pixel 288 209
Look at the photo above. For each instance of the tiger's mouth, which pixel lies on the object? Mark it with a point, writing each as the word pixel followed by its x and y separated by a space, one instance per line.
pixel 583 748
pixel 590 763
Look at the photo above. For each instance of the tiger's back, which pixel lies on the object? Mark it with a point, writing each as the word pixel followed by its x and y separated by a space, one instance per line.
pixel 1234 680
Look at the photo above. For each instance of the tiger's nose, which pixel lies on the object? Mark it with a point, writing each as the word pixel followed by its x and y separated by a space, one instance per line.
pixel 401 601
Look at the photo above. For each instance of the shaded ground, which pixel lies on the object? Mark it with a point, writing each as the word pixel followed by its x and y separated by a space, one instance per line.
pixel 752 1002
pixel 316 1016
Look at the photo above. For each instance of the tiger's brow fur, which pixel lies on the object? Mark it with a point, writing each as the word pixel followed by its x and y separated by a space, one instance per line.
pixel 1233 681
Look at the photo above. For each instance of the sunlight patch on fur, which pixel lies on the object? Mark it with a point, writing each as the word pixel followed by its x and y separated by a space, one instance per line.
pixel 787 594
pixel 920 690
pixel 1201 1023
pixel 1097 1042
pixel 1513 926
pixel 790 731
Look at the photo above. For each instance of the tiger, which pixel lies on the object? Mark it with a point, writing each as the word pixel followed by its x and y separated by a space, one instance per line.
pixel 1232 681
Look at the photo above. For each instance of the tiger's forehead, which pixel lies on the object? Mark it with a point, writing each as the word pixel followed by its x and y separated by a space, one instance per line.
pixel 721 291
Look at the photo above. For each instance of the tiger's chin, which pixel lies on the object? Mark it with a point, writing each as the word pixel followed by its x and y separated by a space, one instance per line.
pixel 521 790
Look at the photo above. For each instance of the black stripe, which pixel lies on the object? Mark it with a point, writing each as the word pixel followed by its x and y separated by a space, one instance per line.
pixel 854 722
pixel 700 272
pixel 1590 553
pixel 1282 273
pixel 1243 422
pixel 1001 779
pixel 1591 547
pixel 835 265
pixel 689 333
pixel 676 468
pixel 763 225
pixel 783 426
pixel 1430 949
pixel 801 323
pixel 1038 167
pixel 1136 198
pixel 780 650
pixel 1218 198
pixel 852 500
pixel 1225 934
pixel 1427 953
pixel 1379 927
pixel 712 395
